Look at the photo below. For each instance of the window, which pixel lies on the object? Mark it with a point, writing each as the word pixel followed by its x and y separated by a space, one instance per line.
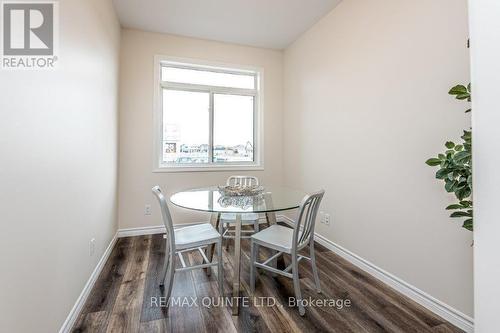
pixel 207 117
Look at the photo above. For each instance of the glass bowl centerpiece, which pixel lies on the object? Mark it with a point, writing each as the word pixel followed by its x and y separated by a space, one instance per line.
pixel 240 196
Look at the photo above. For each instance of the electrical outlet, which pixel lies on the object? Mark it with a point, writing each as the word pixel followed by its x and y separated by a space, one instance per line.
pixel 147 210
pixel 92 247
pixel 326 219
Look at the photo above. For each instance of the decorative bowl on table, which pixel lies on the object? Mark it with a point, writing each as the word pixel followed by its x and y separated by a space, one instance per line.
pixel 240 196
pixel 240 191
pixel 243 202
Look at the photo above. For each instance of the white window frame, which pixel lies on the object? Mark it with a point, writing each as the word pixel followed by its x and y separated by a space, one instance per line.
pixel 159 85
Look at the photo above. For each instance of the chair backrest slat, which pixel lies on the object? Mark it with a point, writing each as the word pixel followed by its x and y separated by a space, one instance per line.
pixel 306 219
pixel 242 181
pixel 167 218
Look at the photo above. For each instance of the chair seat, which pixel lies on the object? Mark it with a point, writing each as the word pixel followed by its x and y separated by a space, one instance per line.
pixel 195 235
pixel 276 237
pixel 245 218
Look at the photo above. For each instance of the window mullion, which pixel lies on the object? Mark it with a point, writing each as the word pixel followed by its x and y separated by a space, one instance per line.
pixel 211 128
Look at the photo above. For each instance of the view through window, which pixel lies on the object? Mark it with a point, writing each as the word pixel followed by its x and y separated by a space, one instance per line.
pixel 208 116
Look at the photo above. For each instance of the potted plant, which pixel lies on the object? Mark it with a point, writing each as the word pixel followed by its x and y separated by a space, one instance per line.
pixel 455 167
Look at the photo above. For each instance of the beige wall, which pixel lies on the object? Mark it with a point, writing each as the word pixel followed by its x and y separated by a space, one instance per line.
pixel 136 121
pixel 365 105
pixel 58 173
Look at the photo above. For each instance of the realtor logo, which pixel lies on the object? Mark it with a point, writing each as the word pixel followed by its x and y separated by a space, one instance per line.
pixel 29 34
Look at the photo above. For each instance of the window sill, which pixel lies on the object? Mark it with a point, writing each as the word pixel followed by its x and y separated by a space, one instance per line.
pixel 205 168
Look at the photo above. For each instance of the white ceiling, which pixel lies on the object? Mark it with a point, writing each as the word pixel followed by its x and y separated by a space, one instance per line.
pixel 263 23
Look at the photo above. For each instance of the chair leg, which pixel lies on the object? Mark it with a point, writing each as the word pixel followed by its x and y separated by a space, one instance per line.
pixel 221 228
pixel 256 226
pixel 253 259
pixel 274 263
pixel 164 270
pixel 220 268
pixel 314 268
pixel 227 239
pixel 296 284
pixel 267 221
pixel 170 280
pixel 215 221
pixel 165 264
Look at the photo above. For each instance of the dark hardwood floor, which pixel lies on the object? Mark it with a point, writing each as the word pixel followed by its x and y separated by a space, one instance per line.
pixel 123 298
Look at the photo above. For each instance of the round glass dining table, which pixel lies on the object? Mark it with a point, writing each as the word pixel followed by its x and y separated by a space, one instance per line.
pixel 209 199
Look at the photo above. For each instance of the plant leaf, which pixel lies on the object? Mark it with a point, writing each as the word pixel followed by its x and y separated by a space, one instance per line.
pixel 433 161
pixel 460 214
pixel 455 206
pixel 441 174
pixel 462 155
pixel 468 224
pixel 449 186
pixel 449 145
pixel 457 90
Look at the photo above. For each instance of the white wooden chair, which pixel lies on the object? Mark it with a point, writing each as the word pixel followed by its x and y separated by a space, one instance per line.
pixel 226 219
pixel 191 238
pixel 282 239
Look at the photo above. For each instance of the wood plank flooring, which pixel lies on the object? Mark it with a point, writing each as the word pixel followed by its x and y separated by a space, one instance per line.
pixel 121 300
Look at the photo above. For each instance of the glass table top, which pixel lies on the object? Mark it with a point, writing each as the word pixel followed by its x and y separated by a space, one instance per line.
pixel 209 199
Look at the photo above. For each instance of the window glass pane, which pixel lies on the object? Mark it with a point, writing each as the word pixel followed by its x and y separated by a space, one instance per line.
pixel 208 78
pixel 233 128
pixel 185 126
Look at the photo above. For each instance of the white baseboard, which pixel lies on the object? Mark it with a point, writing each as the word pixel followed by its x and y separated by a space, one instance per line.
pixel 77 308
pixel 151 230
pixel 157 229
pixel 443 310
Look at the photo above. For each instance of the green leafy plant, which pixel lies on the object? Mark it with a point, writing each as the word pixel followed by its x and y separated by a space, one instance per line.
pixel 455 167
